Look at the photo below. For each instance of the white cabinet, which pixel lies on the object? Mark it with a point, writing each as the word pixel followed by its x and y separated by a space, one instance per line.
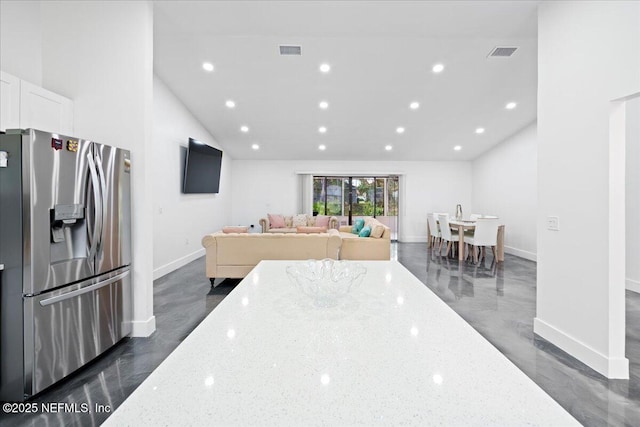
pixel 9 101
pixel 25 105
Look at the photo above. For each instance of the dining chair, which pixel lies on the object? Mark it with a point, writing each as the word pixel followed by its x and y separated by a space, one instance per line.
pixel 434 230
pixel 485 234
pixel 446 234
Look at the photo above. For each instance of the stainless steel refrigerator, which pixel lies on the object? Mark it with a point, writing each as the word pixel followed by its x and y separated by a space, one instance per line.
pixel 65 226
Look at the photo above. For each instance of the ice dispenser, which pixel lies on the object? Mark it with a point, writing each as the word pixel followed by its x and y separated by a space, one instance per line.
pixel 68 232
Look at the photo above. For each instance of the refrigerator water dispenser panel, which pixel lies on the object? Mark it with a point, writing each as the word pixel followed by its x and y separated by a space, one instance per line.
pixel 63 217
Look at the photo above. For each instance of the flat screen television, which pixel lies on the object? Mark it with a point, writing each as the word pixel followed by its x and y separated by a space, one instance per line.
pixel 202 168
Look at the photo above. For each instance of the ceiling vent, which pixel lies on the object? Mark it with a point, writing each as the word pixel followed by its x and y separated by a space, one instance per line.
pixel 502 51
pixel 290 50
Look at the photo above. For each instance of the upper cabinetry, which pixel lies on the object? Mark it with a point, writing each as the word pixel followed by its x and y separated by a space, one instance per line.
pixel 25 105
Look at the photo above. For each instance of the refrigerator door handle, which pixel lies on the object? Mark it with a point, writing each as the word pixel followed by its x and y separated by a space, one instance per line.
pixel 81 291
pixel 103 192
pixel 97 226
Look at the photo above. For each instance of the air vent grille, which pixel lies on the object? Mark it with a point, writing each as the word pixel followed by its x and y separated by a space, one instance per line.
pixel 502 51
pixel 290 50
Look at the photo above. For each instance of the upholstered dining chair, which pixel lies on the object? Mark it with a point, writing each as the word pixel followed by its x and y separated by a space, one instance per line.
pixel 485 234
pixel 434 230
pixel 446 233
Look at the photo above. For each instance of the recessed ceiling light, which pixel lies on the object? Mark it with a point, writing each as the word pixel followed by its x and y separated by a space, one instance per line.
pixel 457 148
pixel 322 147
pixel 230 104
pixel 255 147
pixel 510 105
pixel 325 68
pixel 322 129
pixel 414 105
pixel 479 130
pixel 388 147
pixel 438 68
pixel 207 66
pixel 244 129
pixel 323 104
pixel 400 130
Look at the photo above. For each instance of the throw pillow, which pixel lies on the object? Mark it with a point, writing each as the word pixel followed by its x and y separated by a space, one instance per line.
pixel 322 221
pixel 377 231
pixel 370 221
pixel 288 221
pixel 365 232
pixel 234 229
pixel 301 229
pixel 357 226
pixel 276 221
pixel 300 220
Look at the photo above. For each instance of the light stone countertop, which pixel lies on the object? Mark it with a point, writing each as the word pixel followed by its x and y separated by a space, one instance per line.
pixel 391 354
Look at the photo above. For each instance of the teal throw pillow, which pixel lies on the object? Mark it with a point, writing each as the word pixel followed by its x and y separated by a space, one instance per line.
pixel 357 226
pixel 365 232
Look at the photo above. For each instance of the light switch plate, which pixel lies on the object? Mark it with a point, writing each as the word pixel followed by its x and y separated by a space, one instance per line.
pixel 3 159
pixel 553 223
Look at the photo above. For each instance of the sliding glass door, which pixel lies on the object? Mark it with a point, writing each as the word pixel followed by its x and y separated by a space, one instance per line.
pixel 349 197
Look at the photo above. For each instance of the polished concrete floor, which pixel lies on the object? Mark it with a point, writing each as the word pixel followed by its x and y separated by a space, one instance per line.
pixel 498 300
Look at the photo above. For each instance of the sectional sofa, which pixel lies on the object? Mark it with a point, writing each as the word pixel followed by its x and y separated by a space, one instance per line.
pixel 234 255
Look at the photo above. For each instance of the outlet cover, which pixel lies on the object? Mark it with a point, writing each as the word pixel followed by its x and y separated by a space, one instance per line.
pixel 553 223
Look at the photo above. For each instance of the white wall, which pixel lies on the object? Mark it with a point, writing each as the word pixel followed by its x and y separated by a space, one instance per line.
pixel 505 184
pixel 633 194
pixel 180 220
pixel 262 187
pixel 21 40
pixel 100 54
pixel 580 290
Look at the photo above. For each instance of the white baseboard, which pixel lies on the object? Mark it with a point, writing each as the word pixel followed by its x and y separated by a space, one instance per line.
pixel 174 265
pixel 143 328
pixel 531 256
pixel 607 366
pixel 633 285
pixel 413 239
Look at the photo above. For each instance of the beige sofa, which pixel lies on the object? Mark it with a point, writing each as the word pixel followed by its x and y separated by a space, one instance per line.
pixel 234 255
pixel 365 248
pixel 292 221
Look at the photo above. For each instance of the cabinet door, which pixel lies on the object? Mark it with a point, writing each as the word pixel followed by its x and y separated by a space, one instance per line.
pixel 45 110
pixel 9 101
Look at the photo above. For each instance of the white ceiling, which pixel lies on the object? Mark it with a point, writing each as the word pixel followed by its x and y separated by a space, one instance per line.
pixel 381 54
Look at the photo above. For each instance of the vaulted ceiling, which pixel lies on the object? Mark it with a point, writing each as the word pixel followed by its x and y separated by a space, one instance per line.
pixel 381 55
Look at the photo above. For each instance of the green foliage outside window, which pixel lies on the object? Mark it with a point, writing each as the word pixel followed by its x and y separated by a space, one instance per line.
pixel 328 196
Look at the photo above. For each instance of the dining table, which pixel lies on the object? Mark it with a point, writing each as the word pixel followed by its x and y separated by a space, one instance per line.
pixel 462 225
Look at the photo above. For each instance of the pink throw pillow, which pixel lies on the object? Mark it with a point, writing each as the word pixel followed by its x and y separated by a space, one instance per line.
pixel 301 229
pixel 235 229
pixel 322 221
pixel 276 221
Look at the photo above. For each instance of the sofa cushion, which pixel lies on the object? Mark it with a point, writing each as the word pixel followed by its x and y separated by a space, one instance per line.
pixel 365 232
pixel 235 229
pixel 322 221
pixel 358 225
pixel 309 229
pixel 300 220
pixel 276 221
pixel 282 230
pixel 288 221
pixel 377 231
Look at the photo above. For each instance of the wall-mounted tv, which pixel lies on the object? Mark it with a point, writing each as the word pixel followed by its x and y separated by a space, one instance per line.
pixel 202 168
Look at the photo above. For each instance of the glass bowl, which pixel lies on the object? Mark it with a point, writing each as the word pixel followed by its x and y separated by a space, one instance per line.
pixel 326 281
